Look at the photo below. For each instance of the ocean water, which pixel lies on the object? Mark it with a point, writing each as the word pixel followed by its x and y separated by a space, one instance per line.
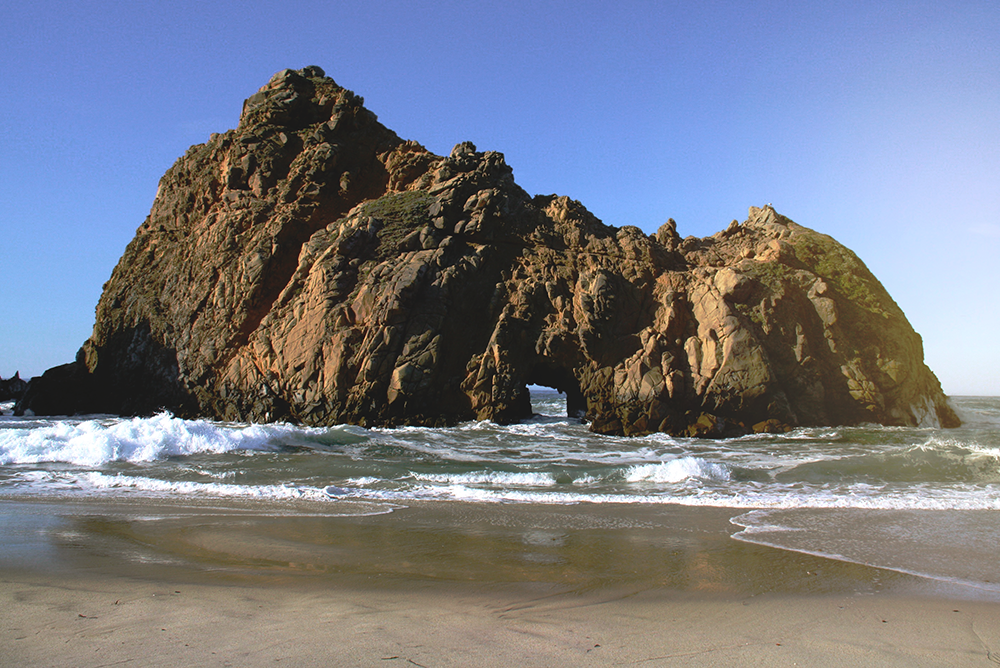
pixel 918 500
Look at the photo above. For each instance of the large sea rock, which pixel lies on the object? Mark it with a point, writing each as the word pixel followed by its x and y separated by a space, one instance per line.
pixel 312 266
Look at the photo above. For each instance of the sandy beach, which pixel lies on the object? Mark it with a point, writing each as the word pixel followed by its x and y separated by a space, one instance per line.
pixel 101 583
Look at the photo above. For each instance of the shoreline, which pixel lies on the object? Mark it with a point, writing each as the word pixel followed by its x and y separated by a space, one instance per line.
pixel 146 582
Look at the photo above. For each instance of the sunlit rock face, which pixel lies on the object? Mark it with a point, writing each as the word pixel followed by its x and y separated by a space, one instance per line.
pixel 312 266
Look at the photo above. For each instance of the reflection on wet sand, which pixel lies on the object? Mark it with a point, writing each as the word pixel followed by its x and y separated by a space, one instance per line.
pixel 569 549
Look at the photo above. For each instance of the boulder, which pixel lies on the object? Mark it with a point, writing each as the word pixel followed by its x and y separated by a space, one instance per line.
pixel 311 266
pixel 67 389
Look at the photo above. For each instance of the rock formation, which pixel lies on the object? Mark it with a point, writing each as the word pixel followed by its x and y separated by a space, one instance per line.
pixel 312 266
pixel 12 388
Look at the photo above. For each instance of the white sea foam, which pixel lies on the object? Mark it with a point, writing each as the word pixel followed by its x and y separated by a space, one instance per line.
pixel 987 452
pixel 787 499
pixel 86 483
pixel 500 478
pixel 977 412
pixel 101 481
pixel 97 441
pixel 677 470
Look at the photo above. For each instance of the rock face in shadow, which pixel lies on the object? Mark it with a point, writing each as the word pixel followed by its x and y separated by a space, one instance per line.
pixel 312 266
pixel 13 387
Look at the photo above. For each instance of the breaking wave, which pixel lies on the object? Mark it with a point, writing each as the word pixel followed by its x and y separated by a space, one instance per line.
pixel 548 459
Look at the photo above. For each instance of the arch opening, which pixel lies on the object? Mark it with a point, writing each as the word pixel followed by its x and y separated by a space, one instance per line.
pixel 545 376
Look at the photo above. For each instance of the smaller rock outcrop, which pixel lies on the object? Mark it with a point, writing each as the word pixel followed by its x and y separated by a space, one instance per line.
pixel 12 388
pixel 67 389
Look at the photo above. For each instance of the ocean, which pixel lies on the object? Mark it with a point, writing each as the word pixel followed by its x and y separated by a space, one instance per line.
pixel 921 501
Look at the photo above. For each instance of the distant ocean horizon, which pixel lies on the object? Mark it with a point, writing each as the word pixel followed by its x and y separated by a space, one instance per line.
pixel 913 498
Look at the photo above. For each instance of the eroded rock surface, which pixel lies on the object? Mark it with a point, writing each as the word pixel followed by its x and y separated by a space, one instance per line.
pixel 312 266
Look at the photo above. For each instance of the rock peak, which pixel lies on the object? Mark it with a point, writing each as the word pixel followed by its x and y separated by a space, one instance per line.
pixel 312 266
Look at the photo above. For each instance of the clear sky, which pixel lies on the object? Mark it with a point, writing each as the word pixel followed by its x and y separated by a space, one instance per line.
pixel 875 122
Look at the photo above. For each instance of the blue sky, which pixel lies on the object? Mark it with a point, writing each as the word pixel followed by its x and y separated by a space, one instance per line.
pixel 877 123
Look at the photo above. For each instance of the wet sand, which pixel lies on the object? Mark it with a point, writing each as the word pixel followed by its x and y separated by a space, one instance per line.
pixel 449 584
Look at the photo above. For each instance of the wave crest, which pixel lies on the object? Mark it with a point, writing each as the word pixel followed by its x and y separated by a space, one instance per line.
pixel 137 440
pixel 678 470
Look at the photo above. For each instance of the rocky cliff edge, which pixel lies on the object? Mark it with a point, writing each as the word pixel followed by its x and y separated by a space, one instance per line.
pixel 312 266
